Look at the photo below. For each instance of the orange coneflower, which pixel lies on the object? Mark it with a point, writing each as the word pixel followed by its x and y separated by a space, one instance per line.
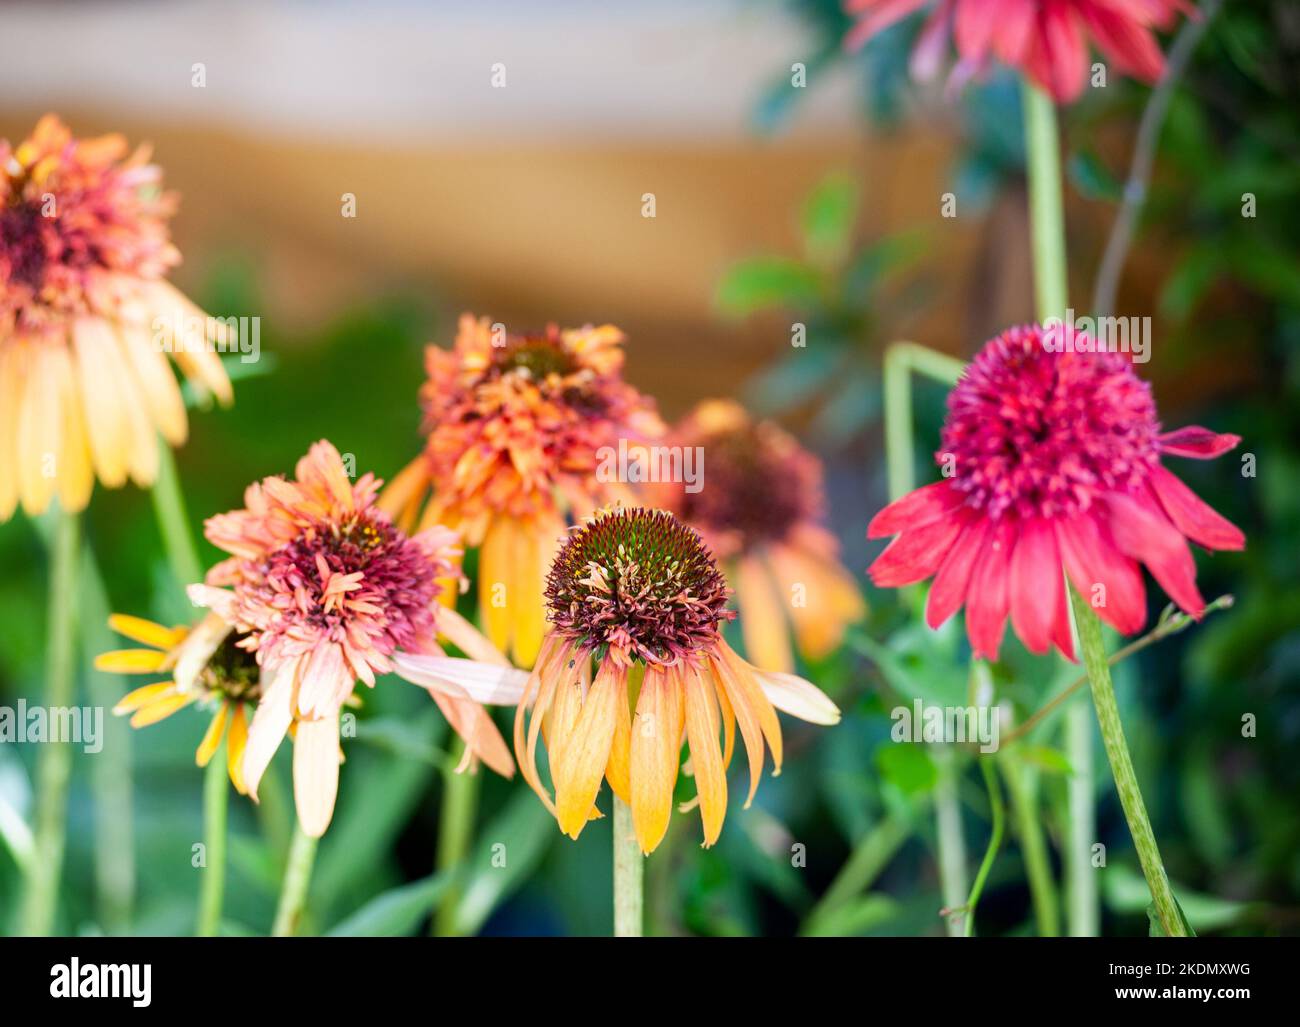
pixel 759 505
pixel 515 427
pixel 638 588
pixel 206 666
pixel 85 318
pixel 325 590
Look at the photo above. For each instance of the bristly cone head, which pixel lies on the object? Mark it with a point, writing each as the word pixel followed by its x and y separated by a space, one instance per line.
pixel 639 584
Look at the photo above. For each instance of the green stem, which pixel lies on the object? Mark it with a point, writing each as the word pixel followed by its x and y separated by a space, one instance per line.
pixel 865 863
pixel 54 767
pixel 110 770
pixel 173 521
pixel 455 832
pixel 1121 766
pixel 629 869
pixel 1082 904
pixel 995 843
pixel 952 841
pixel 1033 847
pixel 297 880
pixel 216 799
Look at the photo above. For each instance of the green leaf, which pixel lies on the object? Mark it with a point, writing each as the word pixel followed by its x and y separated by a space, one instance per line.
pixel 1046 758
pixel 1092 178
pixel 761 283
pixel 908 767
pixel 829 214
pixel 394 913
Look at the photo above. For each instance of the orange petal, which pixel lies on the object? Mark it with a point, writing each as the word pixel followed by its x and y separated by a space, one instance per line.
pixel 146 632
pixel 581 758
pixel 706 758
pixel 160 709
pixel 212 739
pixel 750 730
pixel 236 740
pixel 831 598
pixel 762 619
pixel 618 770
pixel 495 598
pixel 744 676
pixel 656 752
pixel 526 596
pixel 142 696
pixel 131 661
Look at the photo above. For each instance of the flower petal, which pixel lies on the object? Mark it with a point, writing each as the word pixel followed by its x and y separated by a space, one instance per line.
pixel 316 772
pixel 763 624
pixel 1145 533
pixel 579 762
pixel 271 721
pixel 146 632
pixel 915 554
pixel 1110 581
pixel 212 737
pixel 706 758
pixel 1192 516
pixel 798 697
pixel 459 678
pixel 988 599
pixel 131 661
pixel 918 507
pixel 1037 577
pixel 656 753
pixel 1197 443
pixel 951 583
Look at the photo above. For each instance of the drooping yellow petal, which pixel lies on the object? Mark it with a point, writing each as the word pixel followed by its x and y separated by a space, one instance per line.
pixel 526 595
pixel 762 617
pixel 160 709
pixel 742 674
pixel 212 738
pixel 618 770
pixel 146 632
pixel 706 758
pixel 131 661
pixel 830 598
pixel 39 444
pixel 552 663
pixel 76 476
pixel 579 762
pixel 236 739
pixel 495 601
pixel 143 695
pixel 656 749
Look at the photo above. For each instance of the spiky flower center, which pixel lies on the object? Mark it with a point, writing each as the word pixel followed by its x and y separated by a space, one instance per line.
pixel 640 583
pixel 757 486
pixel 233 671
pixel 1033 431
pixel 535 357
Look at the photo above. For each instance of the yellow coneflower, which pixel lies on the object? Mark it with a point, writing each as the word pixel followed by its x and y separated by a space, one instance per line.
pixel 206 667
pixel 761 510
pixel 515 427
pixel 638 587
pixel 86 318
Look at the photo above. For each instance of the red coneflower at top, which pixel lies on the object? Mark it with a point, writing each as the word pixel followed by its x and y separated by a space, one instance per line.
pixel 515 428
pixel 327 589
pixel 1052 456
pixel 759 506
pixel 85 318
pixel 639 588
pixel 1046 39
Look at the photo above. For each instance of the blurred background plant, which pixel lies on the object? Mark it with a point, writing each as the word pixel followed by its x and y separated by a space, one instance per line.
pixel 818 206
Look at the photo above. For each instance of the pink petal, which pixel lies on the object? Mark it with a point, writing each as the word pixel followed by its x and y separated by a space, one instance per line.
pixel 463 679
pixel 986 602
pixel 918 507
pixel 270 722
pixel 1197 443
pixel 1092 558
pixel 316 772
pixel 915 554
pixel 1036 581
pixel 1144 533
pixel 880 15
pixel 1125 41
pixel 949 589
pixel 1192 516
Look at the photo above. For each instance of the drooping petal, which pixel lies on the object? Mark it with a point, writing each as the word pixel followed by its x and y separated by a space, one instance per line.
pixel 915 554
pixel 948 592
pixel 160 708
pixel 316 772
pixel 1197 443
pixel 143 696
pixel 831 599
pixel 483 682
pixel 1110 581
pixel 494 579
pixel 988 600
pixel 767 639
pixel 1143 532
pixel 917 508
pixel 236 740
pixel 619 769
pixel 655 755
pixel 579 762
pixel 798 697
pixel 212 737
pixel 1192 516
pixel 146 632
pixel 706 758
pixel 271 721
pixel 1036 584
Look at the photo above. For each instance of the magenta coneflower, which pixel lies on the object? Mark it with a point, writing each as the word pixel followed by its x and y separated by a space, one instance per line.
pixel 327 590
pixel 1045 39
pixel 637 588
pixel 1052 458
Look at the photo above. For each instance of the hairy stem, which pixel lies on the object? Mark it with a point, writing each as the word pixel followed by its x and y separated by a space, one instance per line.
pixel 297 881
pixel 629 870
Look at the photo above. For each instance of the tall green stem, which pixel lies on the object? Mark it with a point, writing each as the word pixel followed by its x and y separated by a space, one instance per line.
pixel 297 881
pixel 1022 785
pixel 1047 223
pixel 54 767
pixel 629 870
pixel 173 521
pixel 995 843
pixel 455 832
pixel 1083 908
pixel 212 886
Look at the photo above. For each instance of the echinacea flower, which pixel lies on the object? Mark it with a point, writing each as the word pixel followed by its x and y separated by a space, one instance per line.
pixel 85 316
pixel 325 589
pixel 638 589
pixel 515 427
pixel 1052 456
pixel 1045 39
pixel 760 508
pixel 206 665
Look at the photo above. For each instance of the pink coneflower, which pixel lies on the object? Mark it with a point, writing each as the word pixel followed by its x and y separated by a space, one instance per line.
pixel 1045 39
pixel 638 589
pixel 760 508
pixel 327 590
pixel 1052 457
pixel 86 315
pixel 515 427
